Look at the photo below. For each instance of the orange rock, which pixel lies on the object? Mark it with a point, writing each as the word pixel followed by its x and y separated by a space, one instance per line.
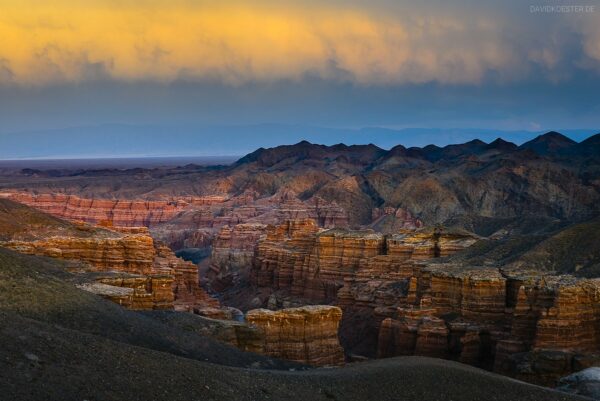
pixel 165 281
pixel 232 254
pixel 308 334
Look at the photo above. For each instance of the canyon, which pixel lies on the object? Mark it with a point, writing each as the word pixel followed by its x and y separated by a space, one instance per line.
pixel 485 254
pixel 105 212
pixel 135 271
pixel 147 273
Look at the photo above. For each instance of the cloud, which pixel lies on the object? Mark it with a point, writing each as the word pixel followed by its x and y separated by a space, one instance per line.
pixel 6 74
pixel 55 42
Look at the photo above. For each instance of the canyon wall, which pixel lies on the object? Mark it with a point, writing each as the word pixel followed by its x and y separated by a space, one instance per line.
pixel 315 264
pixel 126 213
pixel 393 289
pixel 186 222
pixel 158 279
pixel 232 254
pixel 534 328
pixel 128 253
pixel 308 334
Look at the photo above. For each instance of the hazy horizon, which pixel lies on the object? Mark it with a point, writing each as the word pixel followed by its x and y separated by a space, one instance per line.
pixel 126 141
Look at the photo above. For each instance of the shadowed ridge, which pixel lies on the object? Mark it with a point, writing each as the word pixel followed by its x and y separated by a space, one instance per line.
pixel 593 140
pixel 550 143
pixel 434 153
pixel 590 146
pixel 251 157
pixel 304 150
pixel 501 145
pixel 573 250
pixel 398 150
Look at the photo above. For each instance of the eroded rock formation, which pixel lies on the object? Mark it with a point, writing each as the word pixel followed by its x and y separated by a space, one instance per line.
pixel 127 253
pixel 315 264
pixel 392 287
pixel 531 328
pixel 121 213
pixel 308 334
pixel 188 222
pixel 163 280
pixel 232 254
pixel 135 292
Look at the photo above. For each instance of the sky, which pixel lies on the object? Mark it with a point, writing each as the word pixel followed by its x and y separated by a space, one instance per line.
pixel 194 67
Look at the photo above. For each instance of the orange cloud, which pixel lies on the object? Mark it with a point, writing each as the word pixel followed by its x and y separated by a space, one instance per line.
pixel 45 43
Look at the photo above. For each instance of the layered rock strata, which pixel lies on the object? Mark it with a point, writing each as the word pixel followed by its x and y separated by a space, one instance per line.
pixel 535 329
pixel 135 292
pixel 446 312
pixel 164 281
pixel 128 213
pixel 128 253
pixel 232 254
pixel 392 286
pixel 186 222
pixel 359 271
pixel 315 264
pixel 308 334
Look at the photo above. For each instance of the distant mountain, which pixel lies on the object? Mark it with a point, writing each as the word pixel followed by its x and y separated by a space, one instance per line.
pixel 590 146
pixel 304 150
pixel 549 143
pixel 501 145
pixel 120 140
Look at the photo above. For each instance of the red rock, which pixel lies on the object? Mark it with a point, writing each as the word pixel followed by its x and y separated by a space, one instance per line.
pixel 110 213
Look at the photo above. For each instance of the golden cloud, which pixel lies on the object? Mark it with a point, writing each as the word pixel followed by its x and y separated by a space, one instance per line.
pixel 54 42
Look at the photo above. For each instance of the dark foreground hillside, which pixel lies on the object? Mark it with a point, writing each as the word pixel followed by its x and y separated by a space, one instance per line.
pixel 59 343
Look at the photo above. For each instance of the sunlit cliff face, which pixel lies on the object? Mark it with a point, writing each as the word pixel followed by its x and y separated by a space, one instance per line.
pixel 235 42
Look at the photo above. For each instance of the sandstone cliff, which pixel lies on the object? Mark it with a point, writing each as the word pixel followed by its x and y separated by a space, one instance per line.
pixel 502 320
pixel 232 254
pixel 149 275
pixel 187 222
pixel 127 213
pixel 315 264
pixel 393 288
pixel 308 334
